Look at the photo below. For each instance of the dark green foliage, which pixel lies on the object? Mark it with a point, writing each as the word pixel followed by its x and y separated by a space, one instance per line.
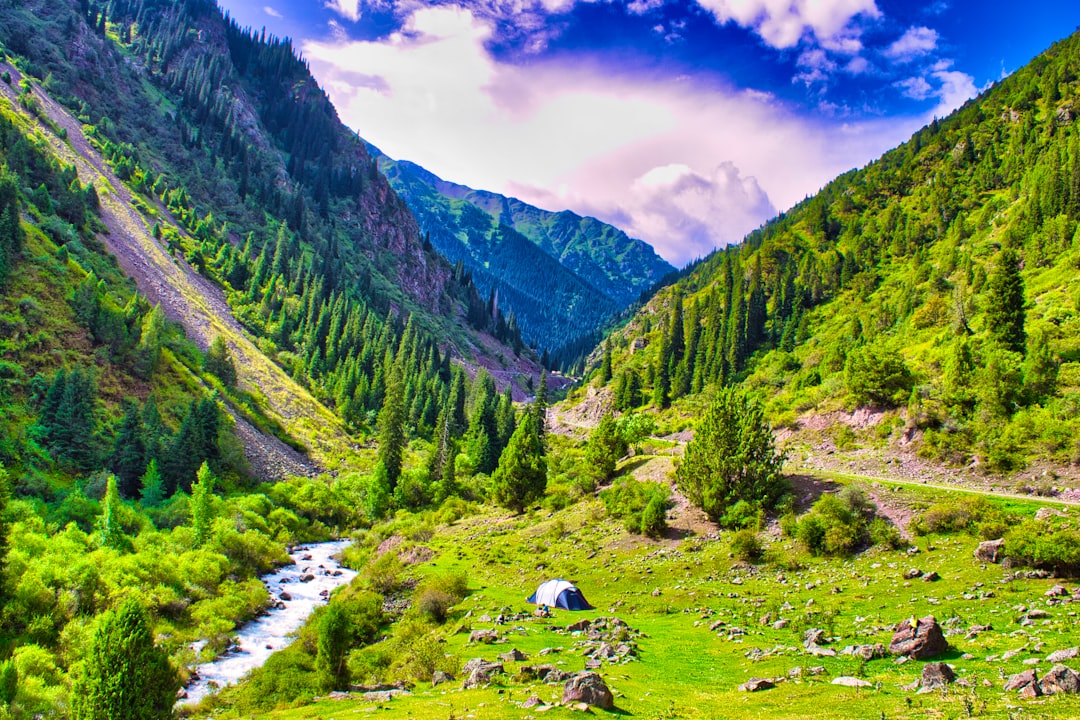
pixel 125 676
pixel 68 422
pixel 746 546
pixel 732 458
pixel 877 374
pixel 838 524
pixel 975 516
pixel 603 450
pixel 392 438
pixel 9 682
pixel 335 637
pixel 219 363
pixel 642 506
pixel 1041 545
pixel 129 457
pixel 1005 313
pixel 202 504
pixel 521 476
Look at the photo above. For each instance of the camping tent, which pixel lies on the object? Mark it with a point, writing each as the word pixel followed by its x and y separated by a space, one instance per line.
pixel 560 594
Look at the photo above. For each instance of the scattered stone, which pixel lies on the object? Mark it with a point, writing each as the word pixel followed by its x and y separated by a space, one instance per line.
pixel 1062 655
pixel 919 639
pixel 306 578
pixel 818 651
pixel 912 573
pixel 813 636
pixel 1057 591
pixel 848 681
pixel 284 596
pixel 514 655
pixel 865 652
pixel 590 688
pixel 990 551
pixel 780 624
pixel 531 702
pixel 548 674
pixel 930 577
pixel 1030 692
pixel 579 626
pixel 1037 614
pixel 1060 679
pixel 937 675
pixel 483 636
pixel 1021 680
pixel 439 677
pixel 479 672
pixel 757 684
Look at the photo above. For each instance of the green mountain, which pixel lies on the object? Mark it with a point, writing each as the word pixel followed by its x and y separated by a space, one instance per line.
pixel 562 275
pixel 936 283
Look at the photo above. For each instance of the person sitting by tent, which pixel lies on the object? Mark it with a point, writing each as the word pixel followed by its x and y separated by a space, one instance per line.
pixel 559 593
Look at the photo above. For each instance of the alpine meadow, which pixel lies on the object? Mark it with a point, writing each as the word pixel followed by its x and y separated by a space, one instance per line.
pixel 292 429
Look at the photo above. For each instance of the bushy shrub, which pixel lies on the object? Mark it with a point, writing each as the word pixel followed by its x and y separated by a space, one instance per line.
pixel 837 524
pixel 384 574
pixel 628 499
pixel 884 533
pixel 1039 544
pixel 746 546
pixel 969 515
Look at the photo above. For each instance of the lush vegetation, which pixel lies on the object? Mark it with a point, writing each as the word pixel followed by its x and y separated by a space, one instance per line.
pixel 934 282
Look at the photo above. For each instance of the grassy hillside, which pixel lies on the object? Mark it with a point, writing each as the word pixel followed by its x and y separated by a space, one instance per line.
pixel 933 284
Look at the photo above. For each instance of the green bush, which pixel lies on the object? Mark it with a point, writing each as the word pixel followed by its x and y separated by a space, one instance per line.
pixel 969 515
pixel 628 500
pixel 885 534
pixel 837 524
pixel 1039 544
pixel 746 546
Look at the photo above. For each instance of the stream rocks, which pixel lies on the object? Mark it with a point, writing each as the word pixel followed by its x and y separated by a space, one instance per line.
pixel 919 639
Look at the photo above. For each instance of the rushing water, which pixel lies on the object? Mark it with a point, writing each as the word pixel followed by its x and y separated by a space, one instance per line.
pixel 296 600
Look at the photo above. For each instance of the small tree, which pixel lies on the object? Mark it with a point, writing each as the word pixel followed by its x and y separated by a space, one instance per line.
pixel 335 636
pixel 392 437
pixel 219 363
pixel 153 487
pixel 110 532
pixel 125 676
pixel 521 477
pixel 202 495
pixel 732 458
pixel 604 449
pixel 1005 312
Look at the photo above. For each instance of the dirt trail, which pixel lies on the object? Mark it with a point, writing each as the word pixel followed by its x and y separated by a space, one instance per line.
pixel 197 304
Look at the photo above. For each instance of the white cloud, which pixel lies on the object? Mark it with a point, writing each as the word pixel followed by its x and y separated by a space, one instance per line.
pixel 914 43
pixel 782 23
pixel 815 66
pixel 915 88
pixel 654 154
pixel 640 7
pixel 271 12
pixel 348 9
pixel 956 89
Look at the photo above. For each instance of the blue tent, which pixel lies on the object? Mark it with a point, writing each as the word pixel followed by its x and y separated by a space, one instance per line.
pixel 559 594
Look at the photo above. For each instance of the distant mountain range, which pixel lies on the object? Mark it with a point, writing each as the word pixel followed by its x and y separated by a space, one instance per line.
pixel 563 276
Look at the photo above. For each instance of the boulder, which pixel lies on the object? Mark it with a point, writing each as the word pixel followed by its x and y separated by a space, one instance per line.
pixel 920 639
pixel 1057 591
pixel 514 655
pixel 579 626
pixel 912 573
pixel 931 576
pixel 479 672
pixel 990 551
pixel 589 688
pixel 1062 655
pixel 548 674
pixel 483 636
pixel 1021 680
pixel 936 675
pixel 1060 679
pixel 813 636
pixel 439 677
pixel 757 684
pixel 848 681
pixel 531 702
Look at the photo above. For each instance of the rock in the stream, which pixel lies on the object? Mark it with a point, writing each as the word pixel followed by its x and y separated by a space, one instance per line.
pixel 589 688
pixel 757 684
pixel 990 551
pixel 919 639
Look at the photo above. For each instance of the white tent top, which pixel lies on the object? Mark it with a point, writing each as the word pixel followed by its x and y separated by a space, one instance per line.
pixel 549 591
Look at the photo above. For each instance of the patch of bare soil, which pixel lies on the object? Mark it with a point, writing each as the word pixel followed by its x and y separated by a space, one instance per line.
pixel 578 420
pixel 193 301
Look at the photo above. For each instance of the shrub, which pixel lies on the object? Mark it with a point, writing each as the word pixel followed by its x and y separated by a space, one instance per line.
pixel 884 533
pixel 384 574
pixel 746 546
pixel 962 516
pixel 837 524
pixel 654 516
pixel 433 603
pixel 628 499
pixel 1040 545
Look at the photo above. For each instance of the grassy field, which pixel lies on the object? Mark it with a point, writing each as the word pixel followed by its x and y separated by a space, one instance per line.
pixel 672 591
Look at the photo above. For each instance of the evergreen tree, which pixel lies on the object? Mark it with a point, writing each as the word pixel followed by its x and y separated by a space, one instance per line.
pixel 335 637
pixel 128 459
pixel 392 438
pixel 1005 302
pixel 219 363
pixel 603 450
pixel 605 364
pixel 504 419
pixel 540 406
pixel 110 532
pixel 521 476
pixel 125 676
pixel 732 458
pixel 202 498
pixel 153 489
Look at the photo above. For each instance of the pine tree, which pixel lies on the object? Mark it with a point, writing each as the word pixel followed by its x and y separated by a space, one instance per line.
pixel 1005 302
pixel 604 449
pixel 392 439
pixel 335 637
pixel 202 498
pixel 605 364
pixel 128 459
pixel 110 533
pixel 151 339
pixel 521 476
pixel 125 676
pixel 219 363
pixel 153 489
pixel 539 407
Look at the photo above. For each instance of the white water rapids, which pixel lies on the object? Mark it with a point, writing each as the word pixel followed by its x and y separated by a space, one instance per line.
pixel 258 639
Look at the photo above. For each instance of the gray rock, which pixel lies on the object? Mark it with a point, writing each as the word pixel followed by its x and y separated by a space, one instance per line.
pixel 937 675
pixel 931 576
pixel 479 672
pixel 514 655
pixel 1060 679
pixel 848 681
pixel 483 636
pixel 813 636
pixel 1057 591
pixel 1021 680
pixel 1062 655
pixel 912 573
pixel 531 702
pixel 990 551
pixel 757 684
pixel 919 639
pixel 439 677
pixel 589 688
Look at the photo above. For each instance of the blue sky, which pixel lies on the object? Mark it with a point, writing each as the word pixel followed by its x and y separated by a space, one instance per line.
pixel 686 124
